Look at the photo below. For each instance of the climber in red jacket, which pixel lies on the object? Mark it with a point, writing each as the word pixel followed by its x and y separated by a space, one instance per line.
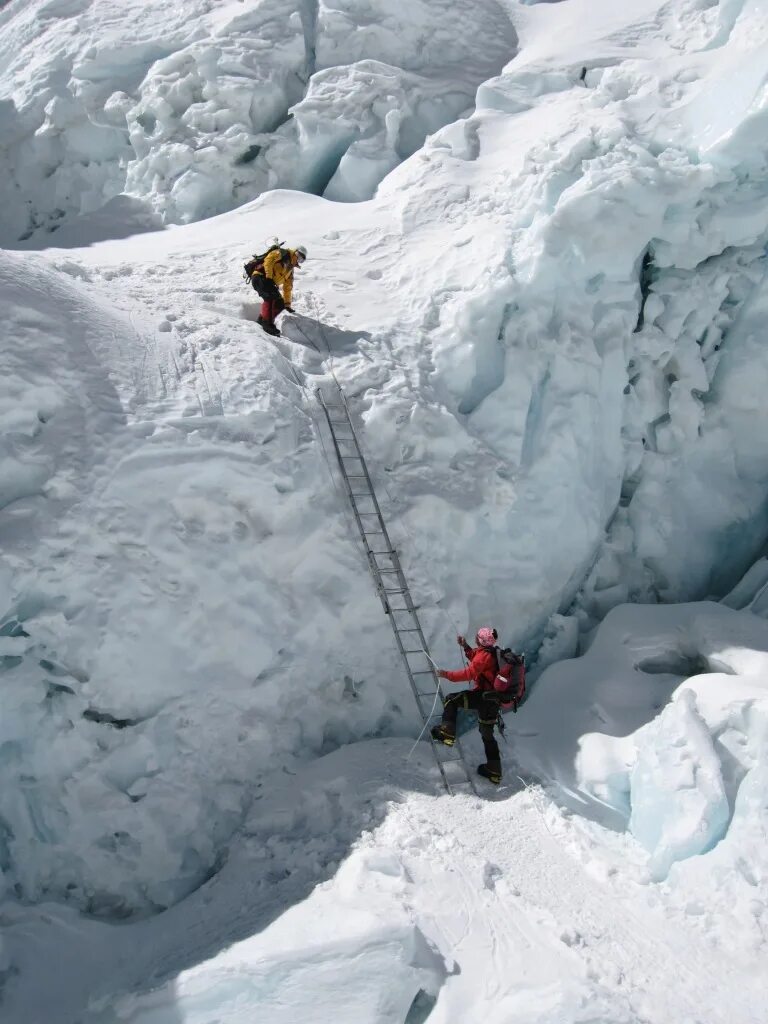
pixel 482 670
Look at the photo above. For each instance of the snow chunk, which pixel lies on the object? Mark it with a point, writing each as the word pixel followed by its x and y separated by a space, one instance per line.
pixel 353 935
pixel 679 806
pixel 612 701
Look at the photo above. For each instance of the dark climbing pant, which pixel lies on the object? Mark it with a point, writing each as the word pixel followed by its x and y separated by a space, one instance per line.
pixel 486 704
pixel 272 302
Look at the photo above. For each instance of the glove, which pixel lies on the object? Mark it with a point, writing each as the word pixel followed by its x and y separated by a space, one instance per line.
pixel 460 640
pixel 289 309
pixel 441 673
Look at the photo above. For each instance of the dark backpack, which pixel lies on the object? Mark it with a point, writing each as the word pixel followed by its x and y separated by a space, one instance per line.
pixel 256 263
pixel 512 668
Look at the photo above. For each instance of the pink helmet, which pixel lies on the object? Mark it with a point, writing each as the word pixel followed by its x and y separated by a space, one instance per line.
pixel 486 637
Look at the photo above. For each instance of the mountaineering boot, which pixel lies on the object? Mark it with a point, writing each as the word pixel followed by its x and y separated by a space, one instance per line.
pixel 268 326
pixel 443 735
pixel 491 771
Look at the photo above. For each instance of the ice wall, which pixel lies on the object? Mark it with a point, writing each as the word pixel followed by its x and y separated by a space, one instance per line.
pixel 659 729
pixel 165 637
pixel 595 333
pixel 199 107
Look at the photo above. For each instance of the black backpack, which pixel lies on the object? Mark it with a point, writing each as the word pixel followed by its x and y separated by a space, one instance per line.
pixel 256 263
pixel 512 667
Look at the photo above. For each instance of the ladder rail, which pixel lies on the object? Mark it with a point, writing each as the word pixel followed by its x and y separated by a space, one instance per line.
pixel 348 487
pixel 395 574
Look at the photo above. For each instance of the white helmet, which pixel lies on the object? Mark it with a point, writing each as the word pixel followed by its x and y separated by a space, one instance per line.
pixel 301 251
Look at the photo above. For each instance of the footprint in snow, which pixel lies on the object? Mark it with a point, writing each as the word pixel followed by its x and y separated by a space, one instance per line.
pixel 491 874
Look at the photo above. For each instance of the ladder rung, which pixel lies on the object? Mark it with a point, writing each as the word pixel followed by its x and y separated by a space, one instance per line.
pixel 338 417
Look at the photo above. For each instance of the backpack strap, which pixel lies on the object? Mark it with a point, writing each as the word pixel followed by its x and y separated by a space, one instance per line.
pixel 495 652
pixel 490 680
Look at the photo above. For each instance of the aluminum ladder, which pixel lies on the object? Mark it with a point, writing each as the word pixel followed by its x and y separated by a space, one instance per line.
pixel 392 588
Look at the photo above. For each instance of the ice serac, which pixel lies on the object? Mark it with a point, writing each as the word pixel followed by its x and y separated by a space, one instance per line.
pixel 679 806
pixel 199 107
pixel 596 306
pixel 657 723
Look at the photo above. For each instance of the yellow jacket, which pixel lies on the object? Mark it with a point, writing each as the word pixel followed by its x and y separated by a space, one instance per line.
pixel 282 275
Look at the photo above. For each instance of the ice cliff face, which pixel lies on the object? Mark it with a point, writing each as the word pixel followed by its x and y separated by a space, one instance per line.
pixel 198 107
pixel 607 235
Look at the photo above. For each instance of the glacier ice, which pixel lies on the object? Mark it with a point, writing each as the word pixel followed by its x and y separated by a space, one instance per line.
pixel 204 109
pixel 679 806
pixel 643 716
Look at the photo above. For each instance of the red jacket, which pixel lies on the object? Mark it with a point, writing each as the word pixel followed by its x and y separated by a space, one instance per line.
pixel 481 669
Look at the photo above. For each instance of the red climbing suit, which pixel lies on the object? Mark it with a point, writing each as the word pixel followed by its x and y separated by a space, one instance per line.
pixel 481 669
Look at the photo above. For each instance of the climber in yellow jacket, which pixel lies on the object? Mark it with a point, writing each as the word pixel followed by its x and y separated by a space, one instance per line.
pixel 271 274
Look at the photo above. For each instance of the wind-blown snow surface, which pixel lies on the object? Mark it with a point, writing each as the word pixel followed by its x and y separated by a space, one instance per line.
pixel 550 322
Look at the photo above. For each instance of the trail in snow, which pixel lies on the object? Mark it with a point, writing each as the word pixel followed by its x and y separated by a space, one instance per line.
pixel 494 910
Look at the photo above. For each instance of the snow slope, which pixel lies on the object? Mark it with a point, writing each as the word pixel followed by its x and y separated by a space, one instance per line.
pixel 443 909
pixel 157 602
pixel 549 319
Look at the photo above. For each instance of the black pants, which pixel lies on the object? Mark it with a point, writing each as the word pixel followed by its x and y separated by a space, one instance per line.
pixel 272 301
pixel 486 703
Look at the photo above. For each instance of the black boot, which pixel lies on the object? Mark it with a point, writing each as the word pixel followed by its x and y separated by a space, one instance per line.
pixel 491 771
pixel 269 327
pixel 441 734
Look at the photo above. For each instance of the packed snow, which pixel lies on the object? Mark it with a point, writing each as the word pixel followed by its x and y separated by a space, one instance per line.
pixel 537 266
